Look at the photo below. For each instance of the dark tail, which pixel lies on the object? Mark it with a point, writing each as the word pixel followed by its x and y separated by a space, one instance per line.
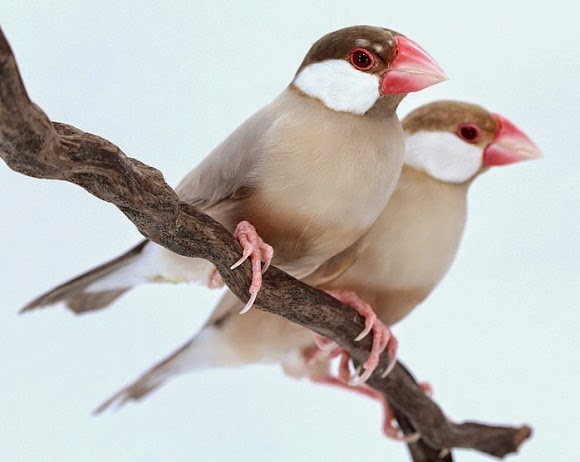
pixel 74 293
pixel 149 381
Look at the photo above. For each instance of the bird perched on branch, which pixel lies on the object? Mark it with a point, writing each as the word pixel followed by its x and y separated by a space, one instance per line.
pixel 394 266
pixel 308 174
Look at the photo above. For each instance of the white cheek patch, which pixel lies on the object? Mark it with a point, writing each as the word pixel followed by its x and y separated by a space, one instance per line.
pixel 339 86
pixel 443 156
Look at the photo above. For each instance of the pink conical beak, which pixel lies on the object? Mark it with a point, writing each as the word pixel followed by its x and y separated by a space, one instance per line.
pixel 509 145
pixel 412 69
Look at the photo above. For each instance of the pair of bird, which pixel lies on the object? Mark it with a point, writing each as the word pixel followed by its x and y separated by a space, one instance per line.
pixel 350 203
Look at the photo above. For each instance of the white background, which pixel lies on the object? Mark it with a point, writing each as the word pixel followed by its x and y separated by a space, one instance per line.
pixel 498 339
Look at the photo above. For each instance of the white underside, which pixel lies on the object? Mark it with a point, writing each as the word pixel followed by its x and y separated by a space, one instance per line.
pixel 155 264
pixel 208 349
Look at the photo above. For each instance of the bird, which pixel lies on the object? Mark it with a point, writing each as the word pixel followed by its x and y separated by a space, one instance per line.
pixel 394 266
pixel 307 174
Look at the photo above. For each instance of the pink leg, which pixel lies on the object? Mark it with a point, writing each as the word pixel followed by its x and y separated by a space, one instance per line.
pixel 322 350
pixel 215 281
pixel 256 250
pixel 390 428
pixel 382 337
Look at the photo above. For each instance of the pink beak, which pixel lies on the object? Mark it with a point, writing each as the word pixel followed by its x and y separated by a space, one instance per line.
pixel 509 145
pixel 412 69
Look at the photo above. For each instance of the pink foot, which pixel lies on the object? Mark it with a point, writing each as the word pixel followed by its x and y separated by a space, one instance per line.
pixel 382 337
pixel 323 345
pixel 322 350
pixel 256 250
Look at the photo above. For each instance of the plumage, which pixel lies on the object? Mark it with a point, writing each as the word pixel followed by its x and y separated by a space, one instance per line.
pixel 309 175
pixel 394 266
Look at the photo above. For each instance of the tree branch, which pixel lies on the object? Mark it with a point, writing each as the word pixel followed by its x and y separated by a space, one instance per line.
pixel 33 145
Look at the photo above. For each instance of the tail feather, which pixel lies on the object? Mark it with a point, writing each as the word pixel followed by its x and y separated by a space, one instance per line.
pixel 227 340
pixel 200 351
pixel 74 293
pixel 211 347
pixel 148 382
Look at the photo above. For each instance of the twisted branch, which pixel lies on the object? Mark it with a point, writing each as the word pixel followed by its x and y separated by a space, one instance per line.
pixel 33 145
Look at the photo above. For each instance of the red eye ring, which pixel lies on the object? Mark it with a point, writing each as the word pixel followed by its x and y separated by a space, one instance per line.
pixel 469 132
pixel 361 59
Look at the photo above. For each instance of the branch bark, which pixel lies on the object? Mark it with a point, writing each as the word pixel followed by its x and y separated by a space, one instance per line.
pixel 33 145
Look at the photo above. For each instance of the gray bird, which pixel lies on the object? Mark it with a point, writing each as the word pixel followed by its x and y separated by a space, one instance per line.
pixel 309 173
pixel 393 267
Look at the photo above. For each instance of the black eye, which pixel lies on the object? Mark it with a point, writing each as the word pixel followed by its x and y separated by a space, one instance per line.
pixel 362 59
pixel 469 132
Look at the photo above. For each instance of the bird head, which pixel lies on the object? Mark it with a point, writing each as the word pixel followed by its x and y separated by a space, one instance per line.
pixel 356 68
pixel 454 141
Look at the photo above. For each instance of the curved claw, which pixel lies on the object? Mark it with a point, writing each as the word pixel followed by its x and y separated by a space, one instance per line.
pixel 256 250
pixel 249 304
pixel 370 319
pixel 356 378
pixel 242 259
pixel 364 332
pixel 410 438
pixel 390 428
pixel 267 255
pixel 382 337
pixel 365 376
pixel 392 347
pixel 389 368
